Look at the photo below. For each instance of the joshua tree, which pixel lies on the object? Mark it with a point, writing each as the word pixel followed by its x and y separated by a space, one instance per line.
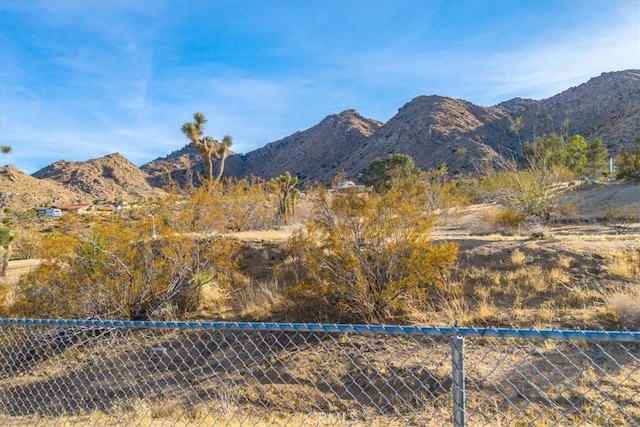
pixel 6 237
pixel 207 146
pixel 5 149
pixel 222 154
pixel 284 185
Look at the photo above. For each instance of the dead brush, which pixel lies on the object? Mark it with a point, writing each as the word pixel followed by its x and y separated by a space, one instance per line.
pixel 518 257
pixel 259 300
pixel 624 304
pixel 623 263
pixel 532 280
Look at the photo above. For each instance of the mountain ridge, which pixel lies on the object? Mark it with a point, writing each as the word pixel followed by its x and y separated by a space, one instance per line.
pixel 433 129
pixel 436 129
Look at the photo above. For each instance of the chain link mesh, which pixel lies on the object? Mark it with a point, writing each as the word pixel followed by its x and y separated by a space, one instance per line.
pixel 94 373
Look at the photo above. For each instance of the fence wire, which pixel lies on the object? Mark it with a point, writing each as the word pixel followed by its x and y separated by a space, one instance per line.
pixel 90 372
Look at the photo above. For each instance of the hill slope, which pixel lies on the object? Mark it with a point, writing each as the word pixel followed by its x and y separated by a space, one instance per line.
pixel 21 191
pixel 111 177
pixel 434 130
pixel 315 154
pixel 606 107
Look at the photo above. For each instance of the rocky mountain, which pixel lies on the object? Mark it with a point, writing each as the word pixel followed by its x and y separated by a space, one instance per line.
pixel 22 191
pixel 111 177
pixel 435 130
pixel 432 129
pixel 312 154
pixel 184 168
pixel 606 107
pixel 315 154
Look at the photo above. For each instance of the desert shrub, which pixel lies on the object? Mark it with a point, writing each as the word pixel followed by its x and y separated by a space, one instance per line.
pixel 364 254
pixel 441 191
pixel 569 208
pixel 628 163
pixel 509 219
pixel 28 244
pixel 625 304
pixel 239 205
pixel 620 218
pixel 383 174
pixel 532 192
pixel 117 270
pixel 247 205
pixel 6 237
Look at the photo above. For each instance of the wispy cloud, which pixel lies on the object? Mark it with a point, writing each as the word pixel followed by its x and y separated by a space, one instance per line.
pixel 85 79
pixel 538 69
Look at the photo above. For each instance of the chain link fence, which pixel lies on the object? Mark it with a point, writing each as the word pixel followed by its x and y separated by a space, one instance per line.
pixel 91 372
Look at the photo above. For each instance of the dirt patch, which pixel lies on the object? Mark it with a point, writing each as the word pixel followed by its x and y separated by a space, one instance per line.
pixel 593 200
pixel 17 268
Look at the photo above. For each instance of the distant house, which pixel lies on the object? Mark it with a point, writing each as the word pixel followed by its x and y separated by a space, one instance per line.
pixel 344 185
pixel 350 186
pixel 59 210
pixel 53 212
pixel 77 209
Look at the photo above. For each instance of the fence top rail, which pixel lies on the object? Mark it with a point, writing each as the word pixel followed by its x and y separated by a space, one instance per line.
pixel 445 331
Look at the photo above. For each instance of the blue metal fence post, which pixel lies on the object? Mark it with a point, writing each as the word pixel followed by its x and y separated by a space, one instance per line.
pixel 457 375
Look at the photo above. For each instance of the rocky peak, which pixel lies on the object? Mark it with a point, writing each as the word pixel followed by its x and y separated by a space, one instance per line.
pixel 606 107
pixel 437 129
pixel 109 177
pixel 313 153
pixel 21 191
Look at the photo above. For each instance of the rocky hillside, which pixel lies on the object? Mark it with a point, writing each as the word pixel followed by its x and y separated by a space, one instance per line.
pixel 315 154
pixel 184 168
pixel 435 130
pixel 21 191
pixel 312 154
pixel 606 107
pixel 111 177
pixel 432 129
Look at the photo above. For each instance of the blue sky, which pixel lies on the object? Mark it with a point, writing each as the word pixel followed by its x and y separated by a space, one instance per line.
pixel 82 79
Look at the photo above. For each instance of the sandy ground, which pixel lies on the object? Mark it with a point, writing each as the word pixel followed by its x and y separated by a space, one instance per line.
pixel 595 199
pixel 17 268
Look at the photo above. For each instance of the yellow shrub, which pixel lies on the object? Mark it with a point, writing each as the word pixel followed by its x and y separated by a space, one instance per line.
pixel 365 253
pixel 121 269
pixel 509 219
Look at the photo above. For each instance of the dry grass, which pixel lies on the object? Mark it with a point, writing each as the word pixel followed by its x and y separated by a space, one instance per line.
pixel 214 297
pixel 564 261
pixel 148 414
pixel 518 257
pixel 6 296
pixel 625 305
pixel 624 263
pixel 528 280
pixel 260 299
pixel 559 276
